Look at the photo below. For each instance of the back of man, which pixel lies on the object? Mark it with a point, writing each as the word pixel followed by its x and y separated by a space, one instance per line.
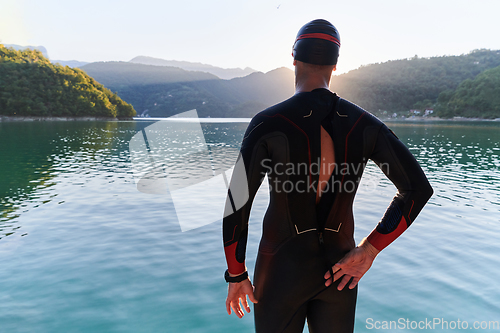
pixel 304 145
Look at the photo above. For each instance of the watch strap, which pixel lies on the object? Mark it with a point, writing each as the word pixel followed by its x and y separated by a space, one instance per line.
pixel 243 276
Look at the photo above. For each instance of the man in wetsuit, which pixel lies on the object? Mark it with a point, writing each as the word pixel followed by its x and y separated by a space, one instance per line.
pixel 313 148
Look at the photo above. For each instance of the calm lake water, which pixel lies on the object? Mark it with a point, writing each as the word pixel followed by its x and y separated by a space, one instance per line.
pixel 82 250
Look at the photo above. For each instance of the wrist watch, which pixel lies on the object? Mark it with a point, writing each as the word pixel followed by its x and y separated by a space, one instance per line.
pixel 243 276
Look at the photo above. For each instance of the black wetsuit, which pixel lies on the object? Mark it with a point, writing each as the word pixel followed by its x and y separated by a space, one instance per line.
pixel 301 239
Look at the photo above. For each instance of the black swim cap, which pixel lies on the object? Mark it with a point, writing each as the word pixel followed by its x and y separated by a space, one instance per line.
pixel 318 43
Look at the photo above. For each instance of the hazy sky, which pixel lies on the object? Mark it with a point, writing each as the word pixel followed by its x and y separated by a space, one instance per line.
pixel 256 33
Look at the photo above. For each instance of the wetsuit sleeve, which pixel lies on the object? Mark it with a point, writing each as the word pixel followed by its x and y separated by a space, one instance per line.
pixel 253 154
pixel 401 167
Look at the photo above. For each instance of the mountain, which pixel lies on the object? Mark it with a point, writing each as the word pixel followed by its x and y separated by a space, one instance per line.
pixel 166 87
pixel 267 88
pixel 401 85
pixel 223 73
pixel 30 85
pixel 394 86
pixel 70 63
pixel 22 48
pixel 165 91
pixel 118 74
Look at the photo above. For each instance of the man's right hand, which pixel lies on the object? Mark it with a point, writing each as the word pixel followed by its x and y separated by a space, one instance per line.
pixel 353 265
pixel 236 292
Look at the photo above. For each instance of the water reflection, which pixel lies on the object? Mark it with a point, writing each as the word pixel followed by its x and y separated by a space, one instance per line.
pixel 101 254
pixel 35 153
pixel 463 160
pixel 172 157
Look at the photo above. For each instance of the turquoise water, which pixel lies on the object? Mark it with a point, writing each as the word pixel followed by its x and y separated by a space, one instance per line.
pixel 82 250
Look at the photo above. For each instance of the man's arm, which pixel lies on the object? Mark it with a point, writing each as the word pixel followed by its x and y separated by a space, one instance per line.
pixel 414 190
pixel 235 222
pixel 248 172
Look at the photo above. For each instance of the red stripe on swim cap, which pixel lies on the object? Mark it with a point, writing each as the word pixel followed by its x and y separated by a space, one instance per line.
pixel 319 35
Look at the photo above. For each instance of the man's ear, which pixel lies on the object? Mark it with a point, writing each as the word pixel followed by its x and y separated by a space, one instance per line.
pixel 334 68
pixel 294 62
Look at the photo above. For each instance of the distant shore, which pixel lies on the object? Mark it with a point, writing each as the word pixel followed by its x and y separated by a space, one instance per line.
pixel 40 118
pixel 423 119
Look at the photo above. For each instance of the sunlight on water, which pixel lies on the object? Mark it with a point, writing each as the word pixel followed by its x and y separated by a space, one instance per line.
pixel 82 250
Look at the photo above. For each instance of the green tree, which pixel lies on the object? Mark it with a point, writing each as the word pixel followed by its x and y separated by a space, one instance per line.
pixel 32 86
pixel 477 98
pixel 398 85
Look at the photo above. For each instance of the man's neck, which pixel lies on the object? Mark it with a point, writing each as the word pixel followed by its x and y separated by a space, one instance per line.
pixel 310 83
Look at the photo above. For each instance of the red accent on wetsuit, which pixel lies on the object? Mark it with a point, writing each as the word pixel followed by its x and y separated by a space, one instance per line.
pixel 233 265
pixel 319 36
pixel 381 241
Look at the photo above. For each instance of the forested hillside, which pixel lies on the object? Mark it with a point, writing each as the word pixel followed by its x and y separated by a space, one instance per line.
pixel 477 98
pixel 394 86
pixel 31 47
pixel 402 85
pixel 32 86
